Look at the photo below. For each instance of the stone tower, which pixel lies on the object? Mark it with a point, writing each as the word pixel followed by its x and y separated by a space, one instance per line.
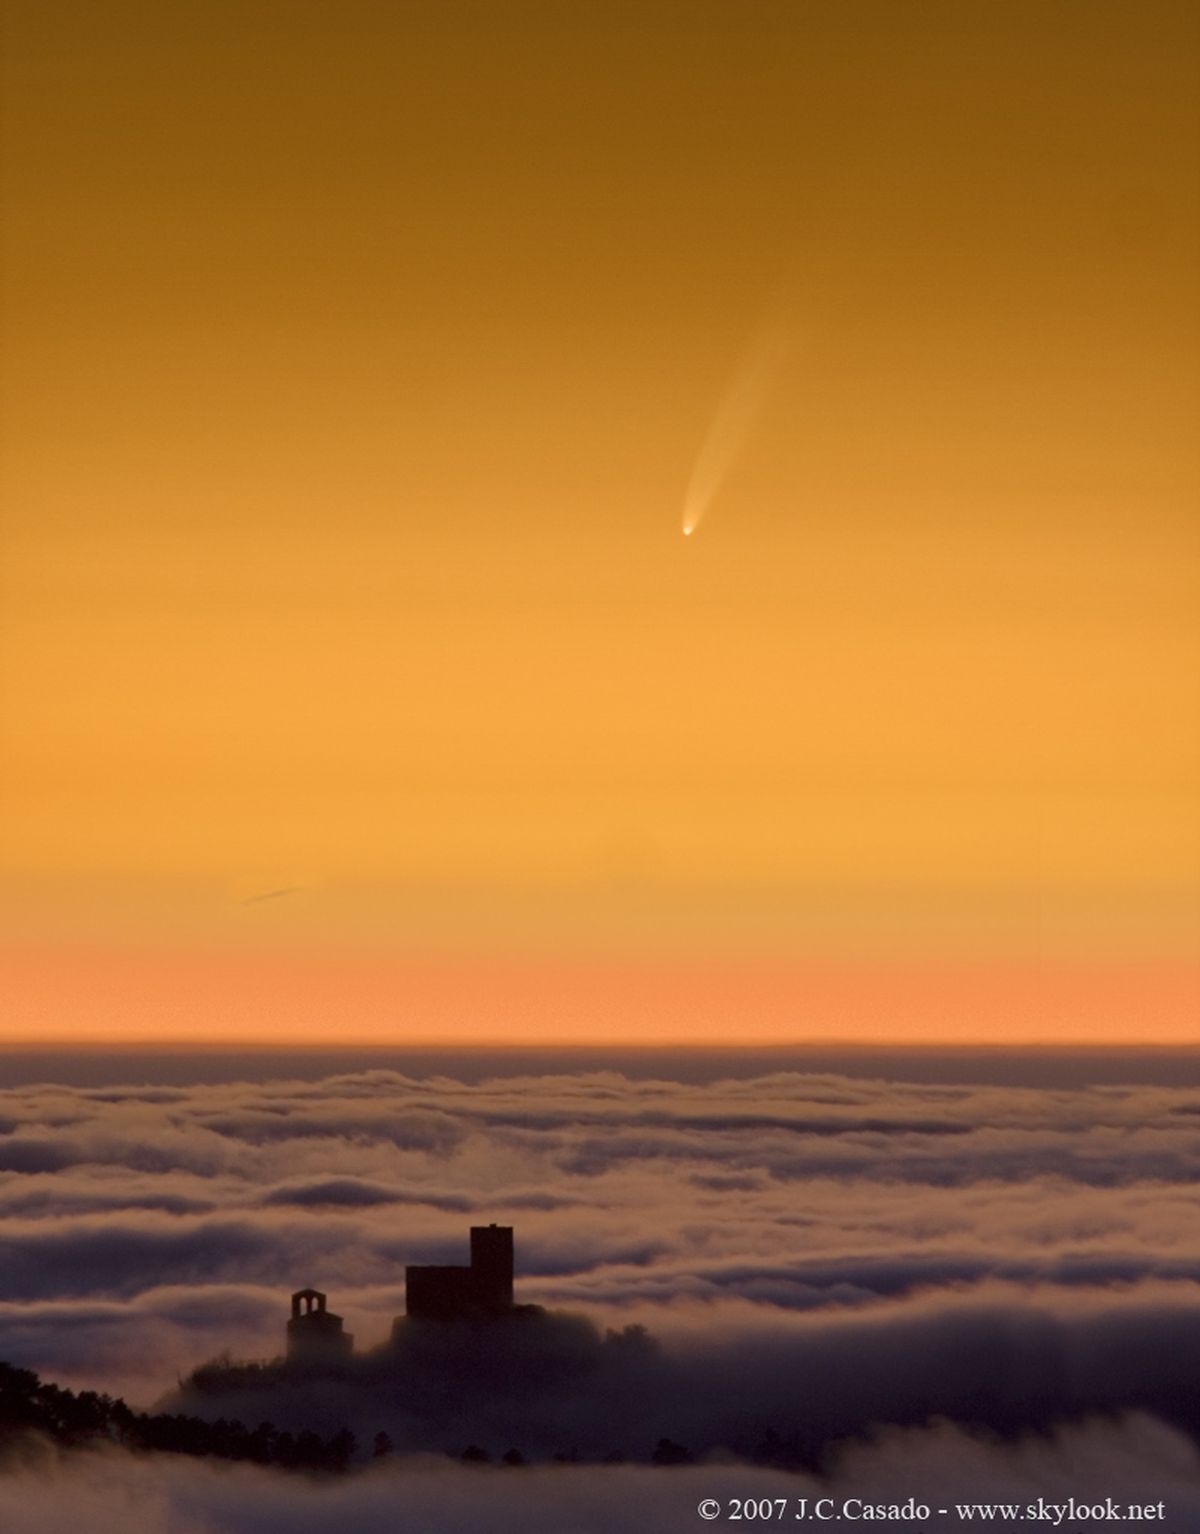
pixel 484 1289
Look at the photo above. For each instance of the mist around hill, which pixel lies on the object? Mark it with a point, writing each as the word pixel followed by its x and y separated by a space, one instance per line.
pixel 791 1274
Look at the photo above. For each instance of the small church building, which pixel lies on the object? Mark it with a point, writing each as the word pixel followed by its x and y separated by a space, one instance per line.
pixel 314 1334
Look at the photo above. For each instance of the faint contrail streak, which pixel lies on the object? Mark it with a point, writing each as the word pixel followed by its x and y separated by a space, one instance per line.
pixel 733 418
pixel 291 889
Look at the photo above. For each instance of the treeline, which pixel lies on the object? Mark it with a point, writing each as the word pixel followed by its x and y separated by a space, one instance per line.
pixel 666 1452
pixel 86 1418
pixel 797 1452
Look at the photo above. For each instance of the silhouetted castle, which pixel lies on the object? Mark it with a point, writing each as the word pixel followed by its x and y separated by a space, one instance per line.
pixel 482 1291
pixel 314 1334
pixel 455 1294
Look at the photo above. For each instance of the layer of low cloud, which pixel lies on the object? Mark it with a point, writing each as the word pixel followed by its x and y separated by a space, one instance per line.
pixel 1134 1460
pixel 787 1194
pixel 811 1256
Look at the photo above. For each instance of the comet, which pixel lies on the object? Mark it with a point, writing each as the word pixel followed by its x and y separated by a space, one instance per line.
pixel 733 420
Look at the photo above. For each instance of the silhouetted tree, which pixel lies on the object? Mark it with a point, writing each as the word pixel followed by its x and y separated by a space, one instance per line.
pixel 668 1452
pixel 339 1451
pixel 261 1443
pixel 309 1451
pixel 770 1449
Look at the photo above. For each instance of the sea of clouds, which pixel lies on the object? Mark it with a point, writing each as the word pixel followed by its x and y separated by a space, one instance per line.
pixel 826 1250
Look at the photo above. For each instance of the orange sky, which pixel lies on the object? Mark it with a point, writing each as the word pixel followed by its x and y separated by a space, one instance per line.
pixel 357 359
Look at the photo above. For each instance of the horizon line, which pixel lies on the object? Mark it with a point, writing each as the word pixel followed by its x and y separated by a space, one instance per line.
pixel 509 1046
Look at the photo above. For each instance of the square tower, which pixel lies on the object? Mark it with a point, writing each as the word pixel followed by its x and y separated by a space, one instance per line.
pixel 492 1266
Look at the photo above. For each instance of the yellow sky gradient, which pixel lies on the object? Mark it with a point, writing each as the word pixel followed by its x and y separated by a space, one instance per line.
pixel 356 361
